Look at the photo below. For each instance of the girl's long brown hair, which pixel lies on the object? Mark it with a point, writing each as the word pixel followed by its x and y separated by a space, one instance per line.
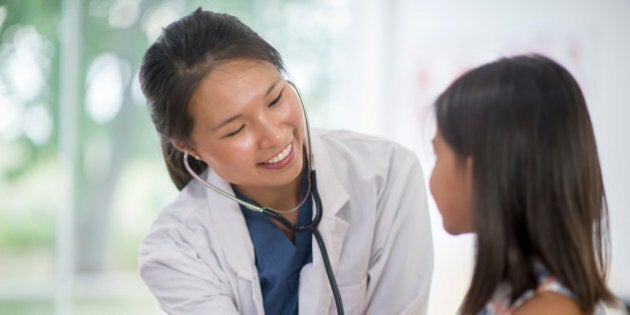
pixel 538 193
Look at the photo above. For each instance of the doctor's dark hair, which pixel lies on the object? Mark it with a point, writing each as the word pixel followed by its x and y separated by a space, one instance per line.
pixel 538 193
pixel 174 65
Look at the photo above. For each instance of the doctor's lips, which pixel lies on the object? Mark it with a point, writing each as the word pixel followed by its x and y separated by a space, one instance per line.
pixel 281 159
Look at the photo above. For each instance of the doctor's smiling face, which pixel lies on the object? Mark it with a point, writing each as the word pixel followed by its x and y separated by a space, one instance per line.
pixel 248 126
pixel 451 186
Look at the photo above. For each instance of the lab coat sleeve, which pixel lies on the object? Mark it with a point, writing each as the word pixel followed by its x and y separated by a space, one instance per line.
pixel 401 265
pixel 182 282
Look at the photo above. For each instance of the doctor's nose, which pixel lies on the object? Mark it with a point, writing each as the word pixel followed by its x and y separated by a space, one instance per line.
pixel 271 134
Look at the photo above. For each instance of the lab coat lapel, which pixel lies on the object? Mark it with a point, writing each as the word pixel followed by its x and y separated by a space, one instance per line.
pixel 315 292
pixel 228 221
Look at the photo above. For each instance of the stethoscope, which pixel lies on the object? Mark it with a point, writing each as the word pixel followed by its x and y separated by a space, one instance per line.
pixel 275 215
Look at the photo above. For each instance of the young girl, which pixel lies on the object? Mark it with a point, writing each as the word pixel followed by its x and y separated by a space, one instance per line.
pixel 517 164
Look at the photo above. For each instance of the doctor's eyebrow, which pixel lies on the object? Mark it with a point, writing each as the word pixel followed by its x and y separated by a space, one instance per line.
pixel 273 85
pixel 227 121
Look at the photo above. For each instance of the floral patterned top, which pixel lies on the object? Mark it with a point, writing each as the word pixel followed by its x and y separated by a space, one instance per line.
pixel 500 302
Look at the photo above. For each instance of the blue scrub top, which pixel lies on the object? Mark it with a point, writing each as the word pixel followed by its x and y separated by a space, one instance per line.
pixel 278 260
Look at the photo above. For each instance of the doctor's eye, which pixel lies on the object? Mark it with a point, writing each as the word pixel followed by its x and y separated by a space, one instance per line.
pixel 277 99
pixel 235 132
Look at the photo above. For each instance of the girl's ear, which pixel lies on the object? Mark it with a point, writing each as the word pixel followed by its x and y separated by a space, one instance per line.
pixel 183 146
pixel 469 164
pixel 469 167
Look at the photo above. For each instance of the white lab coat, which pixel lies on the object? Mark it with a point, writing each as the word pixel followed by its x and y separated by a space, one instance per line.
pixel 198 257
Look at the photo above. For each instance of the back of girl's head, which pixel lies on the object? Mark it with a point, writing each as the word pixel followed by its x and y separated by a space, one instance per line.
pixel 538 193
pixel 173 66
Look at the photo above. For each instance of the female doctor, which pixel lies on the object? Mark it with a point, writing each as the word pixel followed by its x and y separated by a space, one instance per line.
pixel 254 233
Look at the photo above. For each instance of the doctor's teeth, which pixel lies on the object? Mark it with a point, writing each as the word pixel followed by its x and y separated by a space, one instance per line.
pixel 281 156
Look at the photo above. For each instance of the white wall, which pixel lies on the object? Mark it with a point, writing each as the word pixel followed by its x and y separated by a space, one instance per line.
pixel 400 54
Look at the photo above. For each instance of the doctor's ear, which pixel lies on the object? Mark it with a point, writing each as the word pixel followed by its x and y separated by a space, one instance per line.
pixel 183 146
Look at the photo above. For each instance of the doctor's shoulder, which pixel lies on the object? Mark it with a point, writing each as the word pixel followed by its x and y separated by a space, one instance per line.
pixel 366 150
pixel 190 200
pixel 187 210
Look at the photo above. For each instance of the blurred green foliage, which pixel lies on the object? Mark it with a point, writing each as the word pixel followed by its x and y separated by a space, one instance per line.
pixel 103 306
pixel 26 233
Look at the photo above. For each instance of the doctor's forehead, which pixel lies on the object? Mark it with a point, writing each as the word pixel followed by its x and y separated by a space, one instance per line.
pixel 237 82
pixel 240 72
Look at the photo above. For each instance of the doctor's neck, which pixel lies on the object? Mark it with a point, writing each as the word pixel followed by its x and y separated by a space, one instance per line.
pixel 280 198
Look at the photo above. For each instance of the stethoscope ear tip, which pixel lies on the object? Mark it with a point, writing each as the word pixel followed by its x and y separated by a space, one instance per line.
pixel 187 154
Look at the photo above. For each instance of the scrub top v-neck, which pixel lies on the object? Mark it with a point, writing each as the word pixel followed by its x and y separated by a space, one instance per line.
pixel 278 260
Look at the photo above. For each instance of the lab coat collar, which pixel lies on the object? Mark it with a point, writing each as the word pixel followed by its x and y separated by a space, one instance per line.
pixel 333 230
pixel 228 221
pixel 332 192
pixel 233 235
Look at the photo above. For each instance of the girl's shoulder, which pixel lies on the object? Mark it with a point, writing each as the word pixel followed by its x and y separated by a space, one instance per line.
pixel 543 302
pixel 550 294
